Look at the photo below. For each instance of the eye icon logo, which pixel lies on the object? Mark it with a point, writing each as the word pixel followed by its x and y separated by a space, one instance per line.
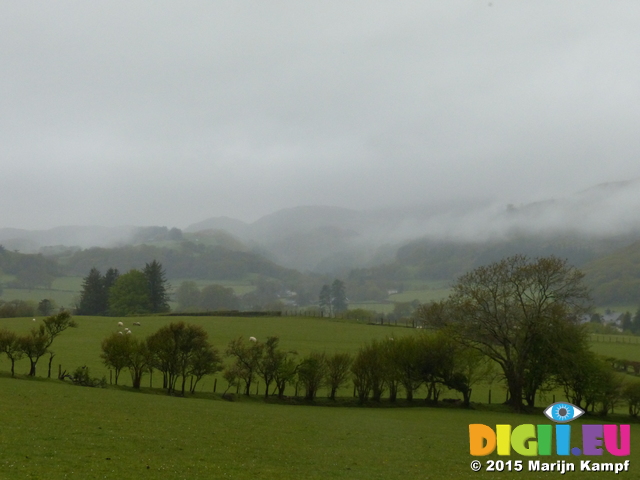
pixel 563 412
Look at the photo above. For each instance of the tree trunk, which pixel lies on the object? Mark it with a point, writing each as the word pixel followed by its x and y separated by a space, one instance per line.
pixel 311 393
pixel 51 355
pixel 409 391
pixel 466 397
pixel 393 392
pixel 32 370
pixel 332 396
pixel 432 393
pixel 137 379
pixel 195 384
pixel 515 395
pixel 531 400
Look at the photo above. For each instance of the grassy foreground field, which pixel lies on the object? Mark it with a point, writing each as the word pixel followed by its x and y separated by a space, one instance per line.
pixel 52 429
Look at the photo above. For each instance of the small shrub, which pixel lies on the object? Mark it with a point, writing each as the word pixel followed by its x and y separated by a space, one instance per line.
pixel 82 377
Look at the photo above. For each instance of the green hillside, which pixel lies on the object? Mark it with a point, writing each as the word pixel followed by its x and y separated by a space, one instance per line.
pixel 615 278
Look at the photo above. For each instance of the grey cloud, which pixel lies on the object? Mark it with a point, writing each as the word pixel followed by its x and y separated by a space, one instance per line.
pixel 168 113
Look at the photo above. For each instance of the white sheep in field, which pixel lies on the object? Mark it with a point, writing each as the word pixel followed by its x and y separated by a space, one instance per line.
pixel 119 333
pixel 120 324
pixel 128 332
pixel 253 339
pixel 136 324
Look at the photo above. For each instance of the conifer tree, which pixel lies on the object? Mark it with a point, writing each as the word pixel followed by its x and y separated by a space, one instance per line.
pixel 157 284
pixel 93 299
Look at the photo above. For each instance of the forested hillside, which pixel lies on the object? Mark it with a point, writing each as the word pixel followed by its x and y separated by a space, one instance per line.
pixel 188 260
pixel 28 271
pixel 612 265
pixel 615 278
pixel 446 260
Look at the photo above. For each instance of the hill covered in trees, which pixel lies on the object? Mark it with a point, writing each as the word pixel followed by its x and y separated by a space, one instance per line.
pixel 615 278
pixel 186 260
pixel 428 259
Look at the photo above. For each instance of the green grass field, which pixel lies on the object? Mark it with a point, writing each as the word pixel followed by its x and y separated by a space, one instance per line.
pixel 65 291
pixel 52 429
pixel 240 287
pixel 423 292
pixel 423 296
pixel 55 430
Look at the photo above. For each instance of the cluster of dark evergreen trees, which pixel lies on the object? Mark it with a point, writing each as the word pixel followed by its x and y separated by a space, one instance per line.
pixel 134 292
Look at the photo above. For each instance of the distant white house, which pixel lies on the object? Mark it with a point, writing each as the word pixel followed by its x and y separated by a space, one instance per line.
pixel 612 318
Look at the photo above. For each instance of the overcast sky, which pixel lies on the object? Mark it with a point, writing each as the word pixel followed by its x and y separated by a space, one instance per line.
pixel 167 113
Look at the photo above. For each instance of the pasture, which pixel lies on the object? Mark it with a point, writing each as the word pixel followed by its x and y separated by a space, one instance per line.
pixel 52 429
pixel 55 430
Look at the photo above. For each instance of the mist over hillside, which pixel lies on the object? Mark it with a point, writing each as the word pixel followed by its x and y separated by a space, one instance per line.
pixel 325 239
pixel 582 225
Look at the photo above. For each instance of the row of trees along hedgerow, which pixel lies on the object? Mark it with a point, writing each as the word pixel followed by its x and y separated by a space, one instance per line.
pixel 35 344
pixel 278 368
pixel 134 292
pixel 178 350
pixel 377 367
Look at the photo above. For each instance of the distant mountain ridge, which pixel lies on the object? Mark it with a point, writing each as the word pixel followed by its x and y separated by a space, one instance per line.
pixel 327 239
pixel 331 239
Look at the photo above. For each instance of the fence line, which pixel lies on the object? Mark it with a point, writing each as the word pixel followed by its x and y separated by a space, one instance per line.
pixel 614 339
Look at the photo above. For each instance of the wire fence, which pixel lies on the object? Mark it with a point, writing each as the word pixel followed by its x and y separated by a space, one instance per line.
pixel 614 339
